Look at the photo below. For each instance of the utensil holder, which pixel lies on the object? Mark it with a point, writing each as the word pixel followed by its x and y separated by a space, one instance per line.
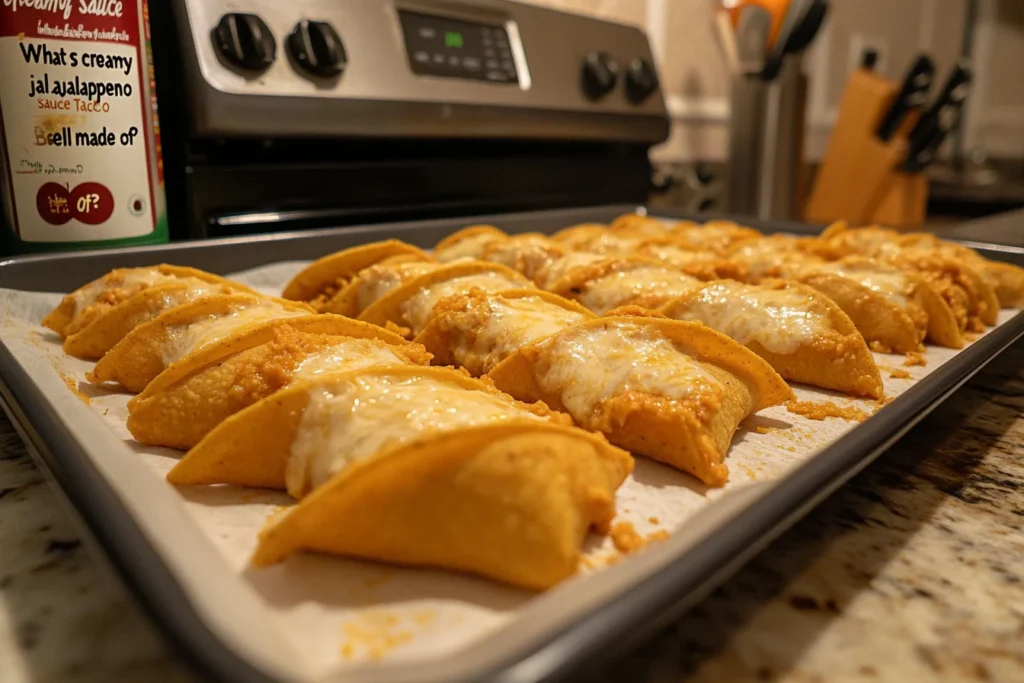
pixel 859 180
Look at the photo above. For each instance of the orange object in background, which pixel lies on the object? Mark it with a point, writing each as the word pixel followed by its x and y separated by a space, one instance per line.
pixel 776 8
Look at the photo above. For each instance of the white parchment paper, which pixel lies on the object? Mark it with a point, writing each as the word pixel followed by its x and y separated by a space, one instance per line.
pixel 328 614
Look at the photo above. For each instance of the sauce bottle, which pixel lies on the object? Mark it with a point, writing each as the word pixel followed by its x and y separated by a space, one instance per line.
pixel 79 139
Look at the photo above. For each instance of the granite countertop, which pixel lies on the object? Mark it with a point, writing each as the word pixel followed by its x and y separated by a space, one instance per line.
pixel 911 572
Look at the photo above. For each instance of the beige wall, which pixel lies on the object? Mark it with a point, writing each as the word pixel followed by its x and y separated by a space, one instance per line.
pixel 696 83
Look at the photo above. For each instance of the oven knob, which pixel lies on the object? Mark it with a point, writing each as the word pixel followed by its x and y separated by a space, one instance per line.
pixel 641 80
pixel 316 47
pixel 599 74
pixel 245 41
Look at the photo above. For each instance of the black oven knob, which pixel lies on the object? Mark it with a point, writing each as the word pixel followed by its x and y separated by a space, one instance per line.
pixel 245 40
pixel 316 48
pixel 599 75
pixel 641 80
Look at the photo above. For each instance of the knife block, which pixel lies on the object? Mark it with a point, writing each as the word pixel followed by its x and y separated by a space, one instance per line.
pixel 858 180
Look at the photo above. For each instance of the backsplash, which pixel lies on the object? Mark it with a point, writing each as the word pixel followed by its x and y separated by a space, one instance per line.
pixel 696 82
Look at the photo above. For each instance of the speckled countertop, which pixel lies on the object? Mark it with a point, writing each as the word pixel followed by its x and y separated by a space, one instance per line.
pixel 911 572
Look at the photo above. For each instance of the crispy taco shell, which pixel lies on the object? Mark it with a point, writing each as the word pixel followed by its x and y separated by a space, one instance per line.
pixel 835 356
pixel 469 242
pixel 154 345
pixel 504 502
pixel 691 434
pixel 191 397
pixel 85 304
pixel 320 280
pixel 461 341
pixel 389 309
pixel 99 336
pixel 405 267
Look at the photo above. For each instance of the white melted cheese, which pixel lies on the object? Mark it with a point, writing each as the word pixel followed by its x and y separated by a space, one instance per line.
pixel 615 289
pixel 559 268
pixel 349 354
pixel 365 416
pixel 132 280
pixel 194 290
pixel 499 327
pixel 528 254
pixel 586 366
pixel 612 244
pixel 418 308
pixel 184 339
pixel 377 281
pixel 677 256
pixel 781 320
pixel 470 247
pixel 892 285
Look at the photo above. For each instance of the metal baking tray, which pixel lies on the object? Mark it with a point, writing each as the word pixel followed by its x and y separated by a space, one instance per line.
pixel 615 624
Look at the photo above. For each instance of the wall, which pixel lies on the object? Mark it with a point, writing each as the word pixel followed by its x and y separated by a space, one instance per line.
pixel 695 80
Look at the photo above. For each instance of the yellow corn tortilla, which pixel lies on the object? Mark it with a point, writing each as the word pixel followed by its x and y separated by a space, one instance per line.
pixel 837 358
pixel 502 502
pixel 119 284
pixel 440 338
pixel 321 279
pixel 388 309
pixel 138 358
pixel 693 437
pixel 580 236
pixel 99 336
pixel 190 398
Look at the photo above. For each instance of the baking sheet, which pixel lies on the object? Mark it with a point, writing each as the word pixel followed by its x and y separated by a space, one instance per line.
pixel 316 616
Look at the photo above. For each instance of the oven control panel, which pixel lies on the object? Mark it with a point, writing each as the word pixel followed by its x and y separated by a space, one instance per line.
pixel 450 48
pixel 431 68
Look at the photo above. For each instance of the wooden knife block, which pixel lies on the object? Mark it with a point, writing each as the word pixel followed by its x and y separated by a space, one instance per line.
pixel 858 180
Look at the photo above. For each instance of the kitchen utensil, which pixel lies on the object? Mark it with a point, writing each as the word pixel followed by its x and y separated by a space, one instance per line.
pixel 803 21
pixel 752 36
pixel 912 96
pixel 936 123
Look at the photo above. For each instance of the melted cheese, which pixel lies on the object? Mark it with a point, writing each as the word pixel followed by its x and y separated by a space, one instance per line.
pixel 378 280
pixel 559 268
pixel 892 285
pixel 615 289
pixel 368 415
pixel 349 354
pixel 469 247
pixel 528 254
pixel 194 289
pixel 677 256
pixel 494 328
pixel 781 320
pixel 130 280
pixel 184 339
pixel 586 366
pixel 418 308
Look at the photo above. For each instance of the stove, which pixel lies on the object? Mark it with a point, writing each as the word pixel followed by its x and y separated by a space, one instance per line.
pixel 318 113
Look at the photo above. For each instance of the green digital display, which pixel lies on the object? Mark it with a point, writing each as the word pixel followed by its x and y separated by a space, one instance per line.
pixel 452 39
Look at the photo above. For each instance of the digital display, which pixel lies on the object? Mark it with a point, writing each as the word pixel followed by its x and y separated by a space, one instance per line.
pixel 452 39
pixel 452 48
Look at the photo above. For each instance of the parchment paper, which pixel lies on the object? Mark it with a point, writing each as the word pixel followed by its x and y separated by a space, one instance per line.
pixel 333 613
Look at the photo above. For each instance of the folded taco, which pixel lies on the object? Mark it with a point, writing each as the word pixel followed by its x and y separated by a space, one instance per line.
pixel 409 306
pixel 154 345
pixel 325 277
pixel 422 467
pixel 802 334
pixel 87 303
pixel 191 397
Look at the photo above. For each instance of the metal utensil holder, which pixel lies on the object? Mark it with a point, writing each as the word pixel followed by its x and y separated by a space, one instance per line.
pixel 766 139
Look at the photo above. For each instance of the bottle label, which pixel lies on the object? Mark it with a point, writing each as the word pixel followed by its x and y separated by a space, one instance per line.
pixel 74 112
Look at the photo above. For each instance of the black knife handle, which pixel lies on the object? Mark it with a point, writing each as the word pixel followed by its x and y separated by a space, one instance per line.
pixel 911 96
